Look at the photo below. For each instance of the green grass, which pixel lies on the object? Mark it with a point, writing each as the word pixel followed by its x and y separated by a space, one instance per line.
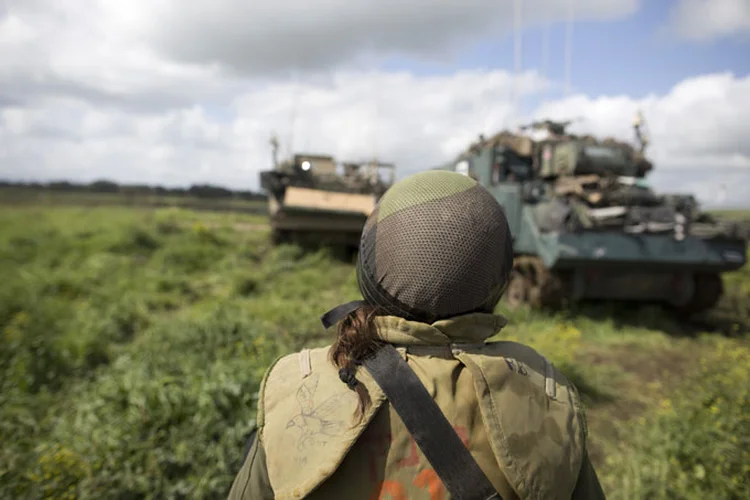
pixel 36 197
pixel 133 342
pixel 740 215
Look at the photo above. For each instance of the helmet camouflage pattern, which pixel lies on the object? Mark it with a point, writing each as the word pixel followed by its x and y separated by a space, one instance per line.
pixel 437 245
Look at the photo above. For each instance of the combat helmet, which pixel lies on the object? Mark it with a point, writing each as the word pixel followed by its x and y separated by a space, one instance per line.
pixel 437 245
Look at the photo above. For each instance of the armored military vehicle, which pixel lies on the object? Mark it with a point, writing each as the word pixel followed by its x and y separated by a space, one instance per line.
pixel 587 226
pixel 314 200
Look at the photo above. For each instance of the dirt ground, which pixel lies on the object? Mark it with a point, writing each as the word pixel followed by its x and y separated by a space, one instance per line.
pixel 641 376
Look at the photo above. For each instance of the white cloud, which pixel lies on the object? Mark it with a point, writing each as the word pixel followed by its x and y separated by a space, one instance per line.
pixel 95 51
pixel 697 130
pixel 700 123
pixel 272 36
pixel 147 92
pixel 703 20
pixel 415 121
pixel 157 54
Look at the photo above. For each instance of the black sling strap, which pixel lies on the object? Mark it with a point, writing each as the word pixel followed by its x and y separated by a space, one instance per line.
pixel 432 432
pixel 340 312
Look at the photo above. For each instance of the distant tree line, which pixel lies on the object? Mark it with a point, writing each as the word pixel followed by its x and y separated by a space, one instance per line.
pixel 105 186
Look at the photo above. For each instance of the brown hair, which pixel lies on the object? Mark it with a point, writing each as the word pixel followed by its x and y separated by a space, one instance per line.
pixel 357 338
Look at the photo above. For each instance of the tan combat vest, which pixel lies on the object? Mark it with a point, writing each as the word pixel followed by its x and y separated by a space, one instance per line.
pixel 519 417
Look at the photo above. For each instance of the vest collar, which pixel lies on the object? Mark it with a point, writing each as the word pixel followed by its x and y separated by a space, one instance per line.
pixel 468 328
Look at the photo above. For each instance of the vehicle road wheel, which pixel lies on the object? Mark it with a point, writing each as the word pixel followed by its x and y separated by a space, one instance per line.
pixel 708 290
pixel 552 292
pixel 279 237
pixel 518 289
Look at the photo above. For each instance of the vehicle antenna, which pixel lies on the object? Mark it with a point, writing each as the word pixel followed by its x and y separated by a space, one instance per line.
pixel 569 47
pixel 293 113
pixel 545 52
pixel 722 194
pixel 374 121
pixel 640 134
pixel 517 53
pixel 275 149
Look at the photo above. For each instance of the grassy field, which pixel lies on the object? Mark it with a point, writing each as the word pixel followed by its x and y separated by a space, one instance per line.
pixel 738 215
pixel 15 196
pixel 133 342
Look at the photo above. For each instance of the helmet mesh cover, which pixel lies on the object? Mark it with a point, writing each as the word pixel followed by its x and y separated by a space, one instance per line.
pixel 437 245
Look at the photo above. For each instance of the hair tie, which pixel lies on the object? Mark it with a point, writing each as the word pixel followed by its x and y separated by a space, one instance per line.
pixel 347 376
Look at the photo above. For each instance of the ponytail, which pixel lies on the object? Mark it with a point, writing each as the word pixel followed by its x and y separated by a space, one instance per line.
pixel 356 339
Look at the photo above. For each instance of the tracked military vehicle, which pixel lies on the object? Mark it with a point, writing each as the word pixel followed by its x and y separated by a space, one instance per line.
pixel 314 200
pixel 587 226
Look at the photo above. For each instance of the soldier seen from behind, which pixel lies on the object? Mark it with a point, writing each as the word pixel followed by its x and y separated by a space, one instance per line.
pixel 411 400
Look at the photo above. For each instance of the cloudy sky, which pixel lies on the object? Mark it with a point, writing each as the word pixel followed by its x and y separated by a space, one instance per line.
pixel 178 92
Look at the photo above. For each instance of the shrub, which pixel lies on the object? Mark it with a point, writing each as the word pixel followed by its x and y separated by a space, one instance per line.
pixel 169 419
pixel 697 444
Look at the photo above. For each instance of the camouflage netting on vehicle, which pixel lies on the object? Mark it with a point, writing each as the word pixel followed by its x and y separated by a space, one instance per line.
pixel 605 203
pixel 277 182
pixel 437 245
